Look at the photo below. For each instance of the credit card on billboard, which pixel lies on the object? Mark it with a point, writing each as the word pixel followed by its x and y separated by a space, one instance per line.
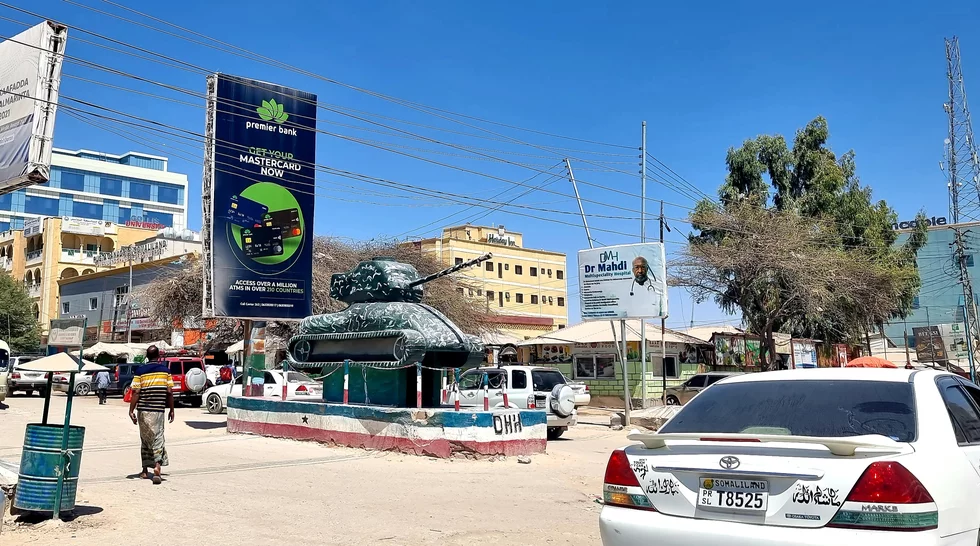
pixel 287 220
pixel 244 212
pixel 259 242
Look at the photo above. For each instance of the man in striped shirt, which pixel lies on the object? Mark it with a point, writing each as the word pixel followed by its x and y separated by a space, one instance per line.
pixel 152 389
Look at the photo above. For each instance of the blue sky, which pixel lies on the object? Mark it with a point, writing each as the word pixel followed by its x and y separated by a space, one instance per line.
pixel 704 76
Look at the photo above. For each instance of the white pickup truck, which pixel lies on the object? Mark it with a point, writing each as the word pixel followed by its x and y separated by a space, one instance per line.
pixel 528 387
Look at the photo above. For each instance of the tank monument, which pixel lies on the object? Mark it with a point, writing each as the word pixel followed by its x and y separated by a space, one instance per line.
pixel 382 360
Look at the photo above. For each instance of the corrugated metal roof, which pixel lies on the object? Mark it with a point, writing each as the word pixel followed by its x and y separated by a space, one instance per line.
pixel 602 332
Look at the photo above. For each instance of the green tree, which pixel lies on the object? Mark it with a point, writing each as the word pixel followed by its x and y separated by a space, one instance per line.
pixel 844 276
pixel 18 327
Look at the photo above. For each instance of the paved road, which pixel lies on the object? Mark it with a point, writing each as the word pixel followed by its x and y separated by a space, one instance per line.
pixel 225 489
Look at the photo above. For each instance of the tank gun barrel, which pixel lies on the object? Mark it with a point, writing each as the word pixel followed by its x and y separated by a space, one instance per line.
pixel 453 269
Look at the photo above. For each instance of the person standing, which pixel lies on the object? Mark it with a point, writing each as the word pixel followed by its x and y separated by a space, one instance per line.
pixel 102 385
pixel 152 389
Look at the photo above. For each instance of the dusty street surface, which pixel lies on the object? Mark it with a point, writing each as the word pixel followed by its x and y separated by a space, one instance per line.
pixel 225 488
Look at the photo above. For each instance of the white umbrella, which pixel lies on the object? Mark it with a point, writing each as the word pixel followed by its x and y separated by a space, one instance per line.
pixel 61 363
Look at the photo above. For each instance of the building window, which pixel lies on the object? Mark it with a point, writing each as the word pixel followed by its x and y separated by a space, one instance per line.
pixel 110 186
pixel 534 272
pixel 139 190
pixel 41 205
pixel 915 302
pixel 519 298
pixel 549 272
pixel 489 266
pixel 66 308
pixel 479 291
pixel 120 299
pixel 551 300
pixel 458 261
pixel 518 269
pixel 93 304
pixel 500 298
pixel 506 267
pixel 460 290
pixel 561 326
pixel 168 194
pixel 672 370
pixel 561 301
pixel 969 260
pixel 595 366
pixel 87 210
pixel 489 295
pixel 560 273
pixel 471 292
pixel 534 299
pixel 72 181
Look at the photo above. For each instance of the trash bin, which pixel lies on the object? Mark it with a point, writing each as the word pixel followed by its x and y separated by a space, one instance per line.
pixel 37 482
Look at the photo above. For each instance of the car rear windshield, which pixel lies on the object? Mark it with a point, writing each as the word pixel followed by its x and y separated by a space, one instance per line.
pixel 545 380
pixel 802 408
pixel 296 377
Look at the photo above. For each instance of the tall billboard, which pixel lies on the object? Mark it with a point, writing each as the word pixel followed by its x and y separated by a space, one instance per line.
pixel 258 200
pixel 30 75
pixel 623 281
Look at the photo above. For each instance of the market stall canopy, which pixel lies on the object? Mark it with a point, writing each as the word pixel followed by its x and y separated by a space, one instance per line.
pixel 870 362
pixel 235 347
pixel 60 363
pixel 121 349
pixel 499 338
pixel 599 331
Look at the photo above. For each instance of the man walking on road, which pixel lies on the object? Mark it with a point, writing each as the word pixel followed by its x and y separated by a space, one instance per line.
pixel 101 385
pixel 152 389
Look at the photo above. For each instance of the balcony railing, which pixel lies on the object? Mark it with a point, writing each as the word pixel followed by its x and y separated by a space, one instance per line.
pixel 34 290
pixel 34 256
pixel 6 263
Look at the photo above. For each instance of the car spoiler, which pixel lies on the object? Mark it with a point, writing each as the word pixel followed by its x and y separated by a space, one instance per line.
pixel 838 446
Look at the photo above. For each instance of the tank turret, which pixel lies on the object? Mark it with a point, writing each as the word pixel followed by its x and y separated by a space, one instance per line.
pixel 385 324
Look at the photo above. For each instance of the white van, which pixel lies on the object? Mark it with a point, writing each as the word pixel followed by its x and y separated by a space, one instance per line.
pixel 4 363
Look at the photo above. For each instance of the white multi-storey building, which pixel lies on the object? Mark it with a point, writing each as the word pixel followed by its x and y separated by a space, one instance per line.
pixel 131 189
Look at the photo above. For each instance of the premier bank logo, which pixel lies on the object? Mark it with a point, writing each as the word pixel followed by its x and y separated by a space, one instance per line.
pixel 912 224
pixel 271 111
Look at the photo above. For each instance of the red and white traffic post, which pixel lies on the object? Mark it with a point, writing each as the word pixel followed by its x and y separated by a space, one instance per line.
pixel 418 384
pixel 445 392
pixel 503 391
pixel 456 388
pixel 346 381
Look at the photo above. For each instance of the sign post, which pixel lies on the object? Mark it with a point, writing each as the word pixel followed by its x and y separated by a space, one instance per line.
pixel 64 333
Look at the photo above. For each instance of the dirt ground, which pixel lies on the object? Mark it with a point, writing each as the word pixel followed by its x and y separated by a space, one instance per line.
pixel 225 488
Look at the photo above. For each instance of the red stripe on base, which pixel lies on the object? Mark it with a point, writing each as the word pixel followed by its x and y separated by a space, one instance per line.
pixel 436 448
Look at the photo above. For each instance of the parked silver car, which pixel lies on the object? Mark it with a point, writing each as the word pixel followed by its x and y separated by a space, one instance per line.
pixel 24 381
pixel 83 382
pixel 683 393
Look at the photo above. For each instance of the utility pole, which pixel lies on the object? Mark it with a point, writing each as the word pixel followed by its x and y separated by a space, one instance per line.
pixel 643 239
pixel 663 320
pixel 129 298
pixel 963 170
pixel 622 351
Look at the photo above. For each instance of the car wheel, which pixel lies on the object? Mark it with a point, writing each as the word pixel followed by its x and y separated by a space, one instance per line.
pixel 214 404
pixel 82 389
pixel 196 402
pixel 555 432
pixel 673 401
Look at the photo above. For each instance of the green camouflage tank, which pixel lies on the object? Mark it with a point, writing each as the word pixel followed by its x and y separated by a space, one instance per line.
pixel 385 325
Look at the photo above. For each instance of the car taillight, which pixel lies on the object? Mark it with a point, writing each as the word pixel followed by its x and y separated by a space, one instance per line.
pixel 888 497
pixel 15 375
pixel 586 388
pixel 302 390
pixel 117 374
pixel 620 486
pixel 530 402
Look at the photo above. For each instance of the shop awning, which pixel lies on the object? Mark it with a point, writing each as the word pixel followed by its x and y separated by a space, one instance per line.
pixel 601 332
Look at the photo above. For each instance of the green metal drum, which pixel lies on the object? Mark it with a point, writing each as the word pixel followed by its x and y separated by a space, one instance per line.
pixel 37 483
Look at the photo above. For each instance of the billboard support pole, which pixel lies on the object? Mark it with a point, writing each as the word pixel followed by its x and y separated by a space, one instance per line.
pixel 663 323
pixel 129 299
pixel 643 239
pixel 588 235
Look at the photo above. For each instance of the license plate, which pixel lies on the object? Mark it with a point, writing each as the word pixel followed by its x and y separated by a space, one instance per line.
pixel 733 494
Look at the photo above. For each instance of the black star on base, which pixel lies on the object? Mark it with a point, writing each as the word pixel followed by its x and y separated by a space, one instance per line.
pixel 306 420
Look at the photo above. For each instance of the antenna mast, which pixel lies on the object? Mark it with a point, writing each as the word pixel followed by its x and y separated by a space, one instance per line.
pixel 963 171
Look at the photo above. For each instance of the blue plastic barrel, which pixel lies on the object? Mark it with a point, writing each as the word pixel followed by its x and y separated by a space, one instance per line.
pixel 39 466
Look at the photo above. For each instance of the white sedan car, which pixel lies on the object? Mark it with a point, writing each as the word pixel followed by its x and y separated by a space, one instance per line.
pixel 299 387
pixel 823 456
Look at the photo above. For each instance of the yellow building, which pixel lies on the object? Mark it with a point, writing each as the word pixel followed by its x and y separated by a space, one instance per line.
pixel 48 249
pixel 526 288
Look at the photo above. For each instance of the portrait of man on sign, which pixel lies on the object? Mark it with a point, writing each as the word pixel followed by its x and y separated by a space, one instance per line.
pixel 643 276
